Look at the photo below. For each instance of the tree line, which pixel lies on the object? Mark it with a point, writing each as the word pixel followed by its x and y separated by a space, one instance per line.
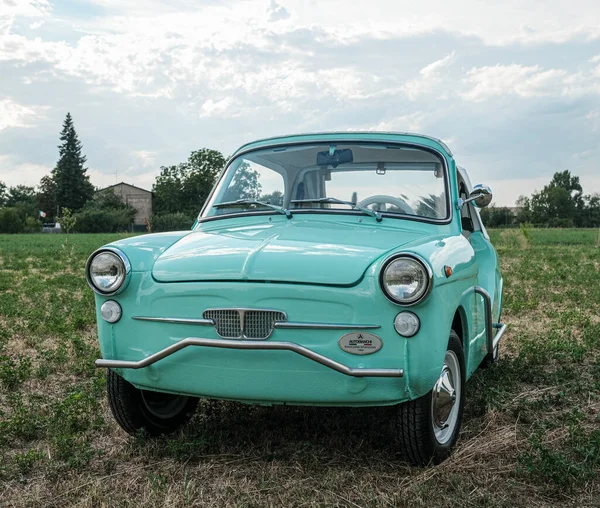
pixel 562 203
pixel 180 191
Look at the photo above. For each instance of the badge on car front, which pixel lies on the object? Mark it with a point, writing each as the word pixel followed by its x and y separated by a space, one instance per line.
pixel 360 343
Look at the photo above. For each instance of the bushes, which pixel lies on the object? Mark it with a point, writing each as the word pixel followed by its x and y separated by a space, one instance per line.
pixel 171 222
pixel 11 221
pixel 97 220
pixel 32 225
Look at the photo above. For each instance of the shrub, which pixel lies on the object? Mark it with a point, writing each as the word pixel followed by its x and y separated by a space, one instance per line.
pixel 32 225
pixel 11 221
pixel 171 222
pixel 96 220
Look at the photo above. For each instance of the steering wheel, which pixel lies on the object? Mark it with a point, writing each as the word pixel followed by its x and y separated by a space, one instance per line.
pixel 382 199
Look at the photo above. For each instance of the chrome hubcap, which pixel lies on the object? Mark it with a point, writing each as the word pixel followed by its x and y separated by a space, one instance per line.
pixel 446 391
pixel 163 405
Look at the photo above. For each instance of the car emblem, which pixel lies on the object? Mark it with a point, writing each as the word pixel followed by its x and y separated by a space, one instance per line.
pixel 360 343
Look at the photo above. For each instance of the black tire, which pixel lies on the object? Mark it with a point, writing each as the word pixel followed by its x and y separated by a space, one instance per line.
pixel 156 412
pixel 415 428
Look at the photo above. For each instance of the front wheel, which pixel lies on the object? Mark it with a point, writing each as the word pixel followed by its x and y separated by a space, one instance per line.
pixel 156 412
pixel 428 427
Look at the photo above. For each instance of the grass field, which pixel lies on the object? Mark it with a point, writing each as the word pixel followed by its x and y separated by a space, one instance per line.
pixel 531 433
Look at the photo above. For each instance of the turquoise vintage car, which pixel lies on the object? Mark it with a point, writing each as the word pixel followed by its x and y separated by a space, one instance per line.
pixel 336 269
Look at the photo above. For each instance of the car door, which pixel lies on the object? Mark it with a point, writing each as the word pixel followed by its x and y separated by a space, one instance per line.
pixel 488 275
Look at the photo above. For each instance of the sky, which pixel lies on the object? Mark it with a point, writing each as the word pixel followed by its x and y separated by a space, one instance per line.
pixel 513 87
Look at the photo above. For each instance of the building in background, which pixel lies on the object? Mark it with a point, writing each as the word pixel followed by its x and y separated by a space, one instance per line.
pixel 140 199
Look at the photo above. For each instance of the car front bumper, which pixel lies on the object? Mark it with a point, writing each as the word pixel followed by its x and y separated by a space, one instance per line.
pixel 161 344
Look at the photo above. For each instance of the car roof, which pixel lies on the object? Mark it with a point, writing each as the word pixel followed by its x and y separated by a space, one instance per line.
pixel 398 137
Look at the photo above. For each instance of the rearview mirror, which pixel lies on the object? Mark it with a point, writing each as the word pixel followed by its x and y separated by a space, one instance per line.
pixel 334 157
pixel 481 195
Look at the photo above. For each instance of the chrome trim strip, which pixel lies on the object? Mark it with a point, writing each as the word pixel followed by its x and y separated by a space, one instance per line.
pixel 250 345
pixel 126 263
pixel 182 321
pixel 322 326
pixel 499 334
pixel 492 340
pixel 282 325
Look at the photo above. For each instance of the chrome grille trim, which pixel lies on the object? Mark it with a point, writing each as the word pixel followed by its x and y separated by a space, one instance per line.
pixel 236 323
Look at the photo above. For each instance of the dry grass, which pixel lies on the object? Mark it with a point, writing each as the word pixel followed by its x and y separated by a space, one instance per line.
pixel 531 433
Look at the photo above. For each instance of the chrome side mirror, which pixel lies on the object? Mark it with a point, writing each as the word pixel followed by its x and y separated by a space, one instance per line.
pixel 481 195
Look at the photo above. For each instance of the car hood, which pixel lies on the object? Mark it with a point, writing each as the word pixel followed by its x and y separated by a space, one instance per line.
pixel 295 251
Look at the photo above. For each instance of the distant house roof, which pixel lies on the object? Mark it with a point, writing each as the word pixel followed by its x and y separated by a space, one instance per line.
pixel 123 183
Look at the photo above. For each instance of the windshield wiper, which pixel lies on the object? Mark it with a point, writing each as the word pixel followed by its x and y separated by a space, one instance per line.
pixel 279 209
pixel 372 213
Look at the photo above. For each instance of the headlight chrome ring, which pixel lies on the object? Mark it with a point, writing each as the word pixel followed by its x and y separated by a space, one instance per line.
pixel 422 276
pixel 105 265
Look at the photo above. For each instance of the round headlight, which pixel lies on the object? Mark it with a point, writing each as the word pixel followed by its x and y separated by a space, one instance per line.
pixel 406 280
pixel 106 272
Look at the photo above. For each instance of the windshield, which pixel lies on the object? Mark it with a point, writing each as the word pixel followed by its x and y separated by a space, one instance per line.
pixel 395 181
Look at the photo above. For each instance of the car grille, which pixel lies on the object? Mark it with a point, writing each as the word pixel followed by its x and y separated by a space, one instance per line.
pixel 242 323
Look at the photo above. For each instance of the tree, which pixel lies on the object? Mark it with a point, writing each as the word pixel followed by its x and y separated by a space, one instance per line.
pixel 67 222
pixel 21 194
pixel 73 186
pixel 107 200
pixel 523 203
pixel 591 213
pixel 495 217
pixel 46 196
pixel 23 200
pixel 560 203
pixel 2 194
pixel 275 198
pixel 244 184
pixel 184 188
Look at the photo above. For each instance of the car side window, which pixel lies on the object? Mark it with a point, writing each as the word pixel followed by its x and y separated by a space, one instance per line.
pixel 466 216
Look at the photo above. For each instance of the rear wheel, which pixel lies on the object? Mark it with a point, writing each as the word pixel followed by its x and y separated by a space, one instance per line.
pixel 156 412
pixel 428 427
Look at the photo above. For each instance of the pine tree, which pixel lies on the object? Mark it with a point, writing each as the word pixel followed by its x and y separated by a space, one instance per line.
pixel 73 186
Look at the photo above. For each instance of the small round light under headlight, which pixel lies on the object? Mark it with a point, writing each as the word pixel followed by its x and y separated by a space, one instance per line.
pixel 111 311
pixel 407 324
pixel 107 272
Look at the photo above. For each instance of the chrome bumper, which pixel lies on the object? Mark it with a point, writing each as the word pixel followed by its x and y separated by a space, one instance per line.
pixel 252 345
pixel 492 340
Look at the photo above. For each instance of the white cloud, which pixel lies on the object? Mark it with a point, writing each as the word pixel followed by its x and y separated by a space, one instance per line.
pixel 433 79
pixel 164 75
pixel 524 81
pixel 411 122
pixel 277 12
pixel 216 108
pixel 146 157
pixel 13 172
pixel 17 115
pixel 10 9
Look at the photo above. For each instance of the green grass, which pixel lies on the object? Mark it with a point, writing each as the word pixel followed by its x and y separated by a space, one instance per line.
pixel 531 433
